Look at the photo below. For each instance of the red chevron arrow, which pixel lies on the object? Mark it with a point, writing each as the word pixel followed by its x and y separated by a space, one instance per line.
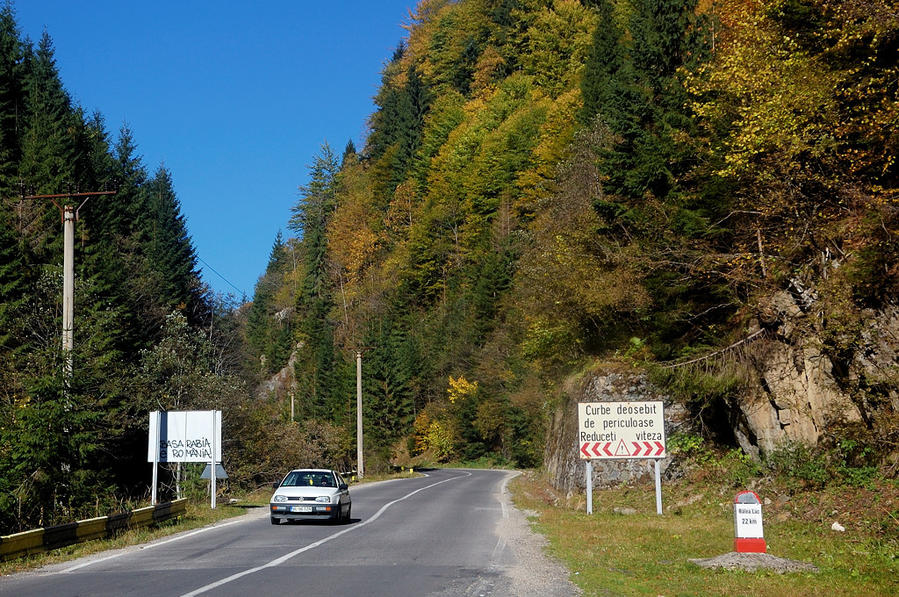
pixel 584 450
pixel 661 448
pixel 596 451
pixel 648 448
pixel 636 449
pixel 606 449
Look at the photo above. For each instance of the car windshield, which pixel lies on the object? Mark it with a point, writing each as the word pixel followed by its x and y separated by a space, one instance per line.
pixel 309 479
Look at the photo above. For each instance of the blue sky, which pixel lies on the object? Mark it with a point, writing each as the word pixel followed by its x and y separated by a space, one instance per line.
pixel 235 98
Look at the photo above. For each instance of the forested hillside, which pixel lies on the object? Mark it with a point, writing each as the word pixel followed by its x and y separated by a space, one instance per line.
pixel 548 183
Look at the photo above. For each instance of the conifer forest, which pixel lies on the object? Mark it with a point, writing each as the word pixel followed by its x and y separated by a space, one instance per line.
pixel 544 184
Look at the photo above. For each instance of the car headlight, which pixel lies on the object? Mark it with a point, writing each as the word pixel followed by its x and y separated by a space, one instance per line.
pixel 324 498
pixel 279 498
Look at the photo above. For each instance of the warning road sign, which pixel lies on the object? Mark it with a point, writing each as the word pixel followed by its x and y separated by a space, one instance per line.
pixel 621 430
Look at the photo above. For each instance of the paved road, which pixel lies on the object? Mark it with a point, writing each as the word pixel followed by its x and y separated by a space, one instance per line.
pixel 434 535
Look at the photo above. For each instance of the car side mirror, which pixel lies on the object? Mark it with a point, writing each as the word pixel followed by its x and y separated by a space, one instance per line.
pixel 276 485
pixel 342 487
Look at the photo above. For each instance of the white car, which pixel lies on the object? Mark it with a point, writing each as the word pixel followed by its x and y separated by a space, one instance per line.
pixel 311 494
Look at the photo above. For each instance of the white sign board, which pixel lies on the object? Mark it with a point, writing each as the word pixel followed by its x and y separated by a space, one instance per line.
pixel 185 436
pixel 748 519
pixel 609 430
pixel 748 516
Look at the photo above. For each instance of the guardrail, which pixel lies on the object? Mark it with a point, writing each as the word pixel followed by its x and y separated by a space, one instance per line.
pixel 43 539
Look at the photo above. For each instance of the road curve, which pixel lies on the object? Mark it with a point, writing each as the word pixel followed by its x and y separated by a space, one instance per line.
pixel 432 535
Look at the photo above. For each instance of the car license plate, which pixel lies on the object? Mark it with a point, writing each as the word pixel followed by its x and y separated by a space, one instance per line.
pixel 301 509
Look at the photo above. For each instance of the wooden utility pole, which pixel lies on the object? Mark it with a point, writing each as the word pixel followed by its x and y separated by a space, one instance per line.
pixel 69 214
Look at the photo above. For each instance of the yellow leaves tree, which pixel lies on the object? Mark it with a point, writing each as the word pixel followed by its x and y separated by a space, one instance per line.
pixel 537 183
pixel 800 109
pixel 460 388
pixel 777 95
pixel 351 240
pixel 575 275
pixel 557 45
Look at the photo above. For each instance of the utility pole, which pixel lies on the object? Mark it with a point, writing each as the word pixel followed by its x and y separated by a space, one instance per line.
pixel 69 215
pixel 68 288
pixel 360 464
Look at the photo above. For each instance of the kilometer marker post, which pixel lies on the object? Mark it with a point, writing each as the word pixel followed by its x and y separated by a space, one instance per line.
pixel 749 536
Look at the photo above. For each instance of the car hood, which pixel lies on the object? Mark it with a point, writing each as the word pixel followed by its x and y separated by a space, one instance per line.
pixel 305 491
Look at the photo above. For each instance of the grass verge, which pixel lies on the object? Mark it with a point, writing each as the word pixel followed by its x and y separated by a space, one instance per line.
pixel 612 554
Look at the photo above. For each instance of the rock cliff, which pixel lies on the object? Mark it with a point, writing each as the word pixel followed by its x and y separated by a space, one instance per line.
pixel 798 390
pixel 805 390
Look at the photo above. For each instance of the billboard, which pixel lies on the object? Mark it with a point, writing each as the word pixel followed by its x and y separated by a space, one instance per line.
pixel 185 436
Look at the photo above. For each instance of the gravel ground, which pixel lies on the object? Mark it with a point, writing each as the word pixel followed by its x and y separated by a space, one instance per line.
pixel 531 573
pixel 753 562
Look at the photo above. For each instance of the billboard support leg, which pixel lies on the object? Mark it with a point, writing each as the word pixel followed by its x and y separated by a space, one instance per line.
pixel 213 471
pixel 155 414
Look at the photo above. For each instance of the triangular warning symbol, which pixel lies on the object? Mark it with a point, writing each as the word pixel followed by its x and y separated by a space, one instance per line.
pixel 621 449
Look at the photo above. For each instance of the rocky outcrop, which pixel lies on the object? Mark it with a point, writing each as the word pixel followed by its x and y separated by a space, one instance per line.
pixel 281 383
pixel 612 383
pixel 802 391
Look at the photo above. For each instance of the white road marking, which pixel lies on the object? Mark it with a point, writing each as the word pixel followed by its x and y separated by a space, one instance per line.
pixel 503 490
pixel 152 545
pixel 284 558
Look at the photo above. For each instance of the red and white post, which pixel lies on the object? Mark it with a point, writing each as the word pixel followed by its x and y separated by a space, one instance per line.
pixel 749 535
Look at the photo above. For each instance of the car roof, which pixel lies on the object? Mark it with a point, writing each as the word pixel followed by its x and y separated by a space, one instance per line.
pixel 312 470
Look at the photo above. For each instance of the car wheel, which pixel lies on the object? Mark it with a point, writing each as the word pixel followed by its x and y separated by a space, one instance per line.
pixel 348 512
pixel 276 520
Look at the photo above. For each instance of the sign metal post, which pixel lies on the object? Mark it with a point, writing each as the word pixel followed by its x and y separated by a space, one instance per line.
pixel 658 488
pixel 154 416
pixel 589 487
pixel 212 477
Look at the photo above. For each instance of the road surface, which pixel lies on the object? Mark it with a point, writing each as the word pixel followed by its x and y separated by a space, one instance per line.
pixel 440 534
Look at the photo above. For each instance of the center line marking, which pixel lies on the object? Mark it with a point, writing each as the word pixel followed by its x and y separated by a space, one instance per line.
pixel 130 550
pixel 284 558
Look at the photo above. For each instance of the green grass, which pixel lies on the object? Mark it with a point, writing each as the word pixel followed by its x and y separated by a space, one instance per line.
pixel 647 554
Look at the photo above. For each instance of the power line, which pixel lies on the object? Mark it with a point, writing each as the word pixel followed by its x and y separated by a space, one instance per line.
pixel 212 269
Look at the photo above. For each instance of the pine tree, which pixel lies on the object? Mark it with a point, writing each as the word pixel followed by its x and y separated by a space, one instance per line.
pixel 601 85
pixel 170 249
pixel 269 334
pixel 387 382
pixel 48 145
pixel 397 125
pixel 14 284
pixel 348 151
pixel 633 88
pixel 11 100
pixel 317 360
